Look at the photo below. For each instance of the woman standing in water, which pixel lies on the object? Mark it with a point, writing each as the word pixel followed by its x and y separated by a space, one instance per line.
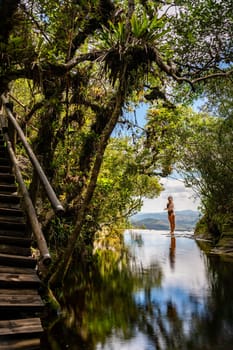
pixel 171 213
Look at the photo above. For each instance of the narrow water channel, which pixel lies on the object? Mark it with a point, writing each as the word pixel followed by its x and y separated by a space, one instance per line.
pixel 169 295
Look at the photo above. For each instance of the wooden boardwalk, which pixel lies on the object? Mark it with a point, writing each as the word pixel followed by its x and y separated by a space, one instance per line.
pixel 20 304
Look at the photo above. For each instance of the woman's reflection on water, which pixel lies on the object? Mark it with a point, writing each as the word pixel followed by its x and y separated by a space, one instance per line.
pixel 172 252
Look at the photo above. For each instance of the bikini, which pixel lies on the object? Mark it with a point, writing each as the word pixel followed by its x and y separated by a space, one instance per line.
pixel 171 211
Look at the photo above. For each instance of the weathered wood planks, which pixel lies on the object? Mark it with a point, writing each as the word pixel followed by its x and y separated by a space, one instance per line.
pixel 20 344
pixel 20 303
pixel 16 260
pixel 25 326
pixel 20 280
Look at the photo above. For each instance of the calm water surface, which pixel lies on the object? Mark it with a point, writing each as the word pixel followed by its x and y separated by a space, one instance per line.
pixel 169 295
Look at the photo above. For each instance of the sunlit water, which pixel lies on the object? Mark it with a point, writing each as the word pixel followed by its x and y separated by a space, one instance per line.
pixel 181 303
pixel 174 297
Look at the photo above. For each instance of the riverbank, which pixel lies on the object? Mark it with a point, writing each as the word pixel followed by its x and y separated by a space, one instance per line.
pixel 216 236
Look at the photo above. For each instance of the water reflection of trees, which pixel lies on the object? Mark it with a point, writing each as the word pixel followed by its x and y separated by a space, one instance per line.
pixel 102 302
pixel 215 327
pixel 211 328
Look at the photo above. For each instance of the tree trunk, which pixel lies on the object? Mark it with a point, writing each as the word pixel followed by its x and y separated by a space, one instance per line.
pixel 87 194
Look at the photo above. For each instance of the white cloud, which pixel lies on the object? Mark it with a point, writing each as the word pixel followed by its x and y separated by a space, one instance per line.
pixel 183 197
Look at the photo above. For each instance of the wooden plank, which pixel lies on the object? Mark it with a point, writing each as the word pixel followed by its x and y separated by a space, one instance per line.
pixel 18 312
pixel 20 232
pixel 20 344
pixel 11 225
pixel 19 280
pixel 18 292
pixel 9 205
pixel 11 212
pixel 16 269
pixel 20 277
pixel 14 250
pixel 5 169
pixel 23 301
pixel 3 153
pixel 11 218
pixel 4 160
pixel 7 178
pixel 12 240
pixel 9 198
pixel 21 326
pixel 15 260
pixel 8 188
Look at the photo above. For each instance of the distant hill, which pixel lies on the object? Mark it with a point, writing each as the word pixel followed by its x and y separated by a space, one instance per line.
pixel 185 220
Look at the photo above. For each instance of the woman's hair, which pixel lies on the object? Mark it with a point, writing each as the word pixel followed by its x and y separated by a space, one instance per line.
pixel 170 197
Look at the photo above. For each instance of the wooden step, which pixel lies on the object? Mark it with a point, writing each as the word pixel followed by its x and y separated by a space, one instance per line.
pixel 19 313
pixel 4 160
pixel 8 188
pixel 20 303
pixel 11 201
pixel 16 269
pixel 12 226
pixel 29 302
pixel 20 233
pixel 8 343
pixel 9 198
pixel 17 301
pixel 19 280
pixel 8 212
pixel 5 169
pixel 15 260
pixel 3 153
pixel 31 325
pixel 11 219
pixel 7 178
pixel 14 250
pixel 12 240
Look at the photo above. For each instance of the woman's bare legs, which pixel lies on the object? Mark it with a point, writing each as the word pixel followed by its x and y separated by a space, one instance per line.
pixel 172 222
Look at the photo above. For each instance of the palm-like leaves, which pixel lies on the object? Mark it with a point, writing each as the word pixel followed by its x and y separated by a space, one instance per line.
pixel 130 46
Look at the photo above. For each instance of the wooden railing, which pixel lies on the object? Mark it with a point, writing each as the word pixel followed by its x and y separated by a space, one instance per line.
pixel 10 120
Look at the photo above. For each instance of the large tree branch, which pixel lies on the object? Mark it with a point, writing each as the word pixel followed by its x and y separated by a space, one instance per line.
pixel 173 73
pixel 99 55
pixel 164 66
pixel 213 75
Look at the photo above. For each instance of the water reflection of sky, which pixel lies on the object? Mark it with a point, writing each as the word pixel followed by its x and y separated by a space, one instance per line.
pixel 174 285
pixel 187 269
pixel 184 283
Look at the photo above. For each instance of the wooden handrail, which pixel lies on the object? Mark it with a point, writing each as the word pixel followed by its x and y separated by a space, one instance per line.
pixel 32 217
pixel 56 204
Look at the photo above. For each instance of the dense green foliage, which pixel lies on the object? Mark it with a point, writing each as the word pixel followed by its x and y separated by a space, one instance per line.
pixel 206 160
